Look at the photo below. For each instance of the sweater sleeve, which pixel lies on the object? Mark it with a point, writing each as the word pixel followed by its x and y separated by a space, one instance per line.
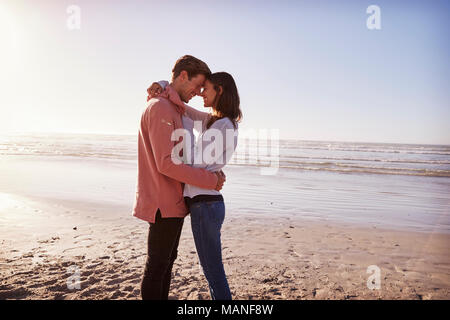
pixel 160 129
pixel 163 83
pixel 192 113
pixel 196 115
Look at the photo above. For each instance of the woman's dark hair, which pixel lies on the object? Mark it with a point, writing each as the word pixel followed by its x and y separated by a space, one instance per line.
pixel 227 103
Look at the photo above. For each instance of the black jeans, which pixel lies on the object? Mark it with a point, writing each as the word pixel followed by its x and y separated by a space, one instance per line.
pixel 162 249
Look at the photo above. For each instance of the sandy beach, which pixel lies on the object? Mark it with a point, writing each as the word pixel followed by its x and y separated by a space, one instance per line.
pixel 308 233
pixel 265 258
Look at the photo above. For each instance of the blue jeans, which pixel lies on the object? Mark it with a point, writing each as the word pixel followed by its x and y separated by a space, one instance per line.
pixel 206 222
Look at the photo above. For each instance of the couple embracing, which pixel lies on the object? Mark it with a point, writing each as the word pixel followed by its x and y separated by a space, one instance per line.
pixel 178 177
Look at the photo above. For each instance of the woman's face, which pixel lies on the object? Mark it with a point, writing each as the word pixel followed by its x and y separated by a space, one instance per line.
pixel 208 94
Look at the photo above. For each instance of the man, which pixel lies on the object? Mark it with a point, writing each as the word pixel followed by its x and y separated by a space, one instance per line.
pixel 159 194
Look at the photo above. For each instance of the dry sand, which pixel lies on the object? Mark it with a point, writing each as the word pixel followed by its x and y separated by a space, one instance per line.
pixel 265 258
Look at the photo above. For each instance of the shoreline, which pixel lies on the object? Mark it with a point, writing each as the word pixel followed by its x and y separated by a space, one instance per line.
pixel 98 208
pixel 397 202
pixel 266 258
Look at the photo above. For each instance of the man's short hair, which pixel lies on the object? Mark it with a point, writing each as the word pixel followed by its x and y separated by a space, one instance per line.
pixel 191 65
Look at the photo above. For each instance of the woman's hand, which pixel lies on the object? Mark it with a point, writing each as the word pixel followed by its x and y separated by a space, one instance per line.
pixel 154 90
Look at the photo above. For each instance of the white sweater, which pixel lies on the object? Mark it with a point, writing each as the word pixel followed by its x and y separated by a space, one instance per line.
pixel 212 150
pixel 214 146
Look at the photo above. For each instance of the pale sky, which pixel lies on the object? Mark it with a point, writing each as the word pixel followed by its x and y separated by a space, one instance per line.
pixel 311 69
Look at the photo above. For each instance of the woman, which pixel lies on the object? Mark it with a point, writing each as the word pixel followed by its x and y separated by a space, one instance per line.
pixel 207 207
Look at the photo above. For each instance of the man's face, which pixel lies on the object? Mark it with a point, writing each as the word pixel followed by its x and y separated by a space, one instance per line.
pixel 191 88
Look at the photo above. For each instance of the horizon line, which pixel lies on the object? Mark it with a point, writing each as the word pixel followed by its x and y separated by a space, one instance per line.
pixel 135 134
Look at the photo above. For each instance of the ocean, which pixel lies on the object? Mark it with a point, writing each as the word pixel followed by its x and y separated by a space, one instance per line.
pixel 339 157
pixel 404 186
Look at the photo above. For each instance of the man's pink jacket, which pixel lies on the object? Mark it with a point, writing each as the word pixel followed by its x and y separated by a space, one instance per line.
pixel 160 181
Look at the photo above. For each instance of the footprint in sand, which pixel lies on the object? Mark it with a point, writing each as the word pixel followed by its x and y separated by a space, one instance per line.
pixel 74 248
pixel 117 294
pixel 19 293
pixel 86 273
pixel 94 265
pixel 114 282
pixel 113 245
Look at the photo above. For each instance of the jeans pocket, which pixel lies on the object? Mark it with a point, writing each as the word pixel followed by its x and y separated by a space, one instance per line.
pixel 217 211
pixel 195 210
